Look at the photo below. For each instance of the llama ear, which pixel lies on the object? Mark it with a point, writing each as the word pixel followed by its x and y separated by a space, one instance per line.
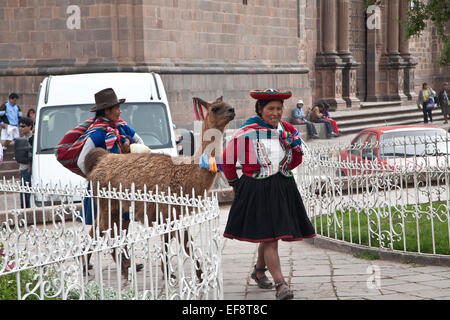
pixel 219 99
pixel 202 102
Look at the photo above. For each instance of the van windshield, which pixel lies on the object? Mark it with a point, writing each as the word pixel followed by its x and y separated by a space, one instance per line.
pixel 149 120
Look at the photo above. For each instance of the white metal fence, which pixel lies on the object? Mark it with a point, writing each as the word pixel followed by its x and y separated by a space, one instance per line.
pixel 45 250
pixel 392 194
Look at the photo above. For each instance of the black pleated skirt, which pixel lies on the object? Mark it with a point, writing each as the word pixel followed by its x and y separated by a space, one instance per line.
pixel 267 210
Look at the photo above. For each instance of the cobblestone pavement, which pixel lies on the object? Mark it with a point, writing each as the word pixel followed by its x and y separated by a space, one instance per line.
pixel 316 274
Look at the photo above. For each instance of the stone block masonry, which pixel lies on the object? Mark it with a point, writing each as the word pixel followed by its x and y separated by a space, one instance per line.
pixel 205 47
pixel 202 48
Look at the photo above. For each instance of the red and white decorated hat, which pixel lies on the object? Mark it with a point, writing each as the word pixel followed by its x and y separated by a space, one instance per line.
pixel 270 94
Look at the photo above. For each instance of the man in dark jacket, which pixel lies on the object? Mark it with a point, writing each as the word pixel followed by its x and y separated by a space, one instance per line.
pixel 443 101
pixel 25 161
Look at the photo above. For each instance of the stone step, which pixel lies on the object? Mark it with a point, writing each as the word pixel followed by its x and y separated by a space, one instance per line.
pixel 8 174
pixel 373 112
pixel 390 122
pixel 401 116
pixel 8 155
pixel 381 104
pixel 9 165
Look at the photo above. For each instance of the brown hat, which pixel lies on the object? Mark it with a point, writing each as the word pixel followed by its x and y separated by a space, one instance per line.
pixel 106 98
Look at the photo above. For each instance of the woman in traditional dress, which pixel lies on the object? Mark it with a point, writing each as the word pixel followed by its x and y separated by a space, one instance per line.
pixel 267 206
pixel 108 131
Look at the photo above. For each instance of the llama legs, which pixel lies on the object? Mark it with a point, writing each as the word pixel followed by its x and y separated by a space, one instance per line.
pixel 187 239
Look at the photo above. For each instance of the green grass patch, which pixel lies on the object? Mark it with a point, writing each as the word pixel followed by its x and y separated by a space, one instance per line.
pixel 8 285
pixel 24 281
pixel 407 233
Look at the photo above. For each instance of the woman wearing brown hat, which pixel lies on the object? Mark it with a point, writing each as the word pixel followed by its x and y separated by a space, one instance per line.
pixel 267 206
pixel 108 131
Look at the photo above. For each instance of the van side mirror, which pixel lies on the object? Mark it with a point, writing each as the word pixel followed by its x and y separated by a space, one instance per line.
pixel 185 142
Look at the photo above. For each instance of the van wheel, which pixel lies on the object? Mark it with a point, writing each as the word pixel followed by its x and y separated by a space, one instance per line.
pixel 340 173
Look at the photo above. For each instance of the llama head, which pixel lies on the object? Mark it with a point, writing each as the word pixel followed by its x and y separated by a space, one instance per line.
pixel 218 113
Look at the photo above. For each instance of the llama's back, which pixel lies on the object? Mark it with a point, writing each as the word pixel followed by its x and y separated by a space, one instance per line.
pixel 151 170
pixel 124 169
pixel 146 170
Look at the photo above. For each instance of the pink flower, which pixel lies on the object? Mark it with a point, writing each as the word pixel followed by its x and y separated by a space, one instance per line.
pixel 10 266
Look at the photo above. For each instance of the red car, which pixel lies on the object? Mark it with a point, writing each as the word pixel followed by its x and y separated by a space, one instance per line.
pixel 410 146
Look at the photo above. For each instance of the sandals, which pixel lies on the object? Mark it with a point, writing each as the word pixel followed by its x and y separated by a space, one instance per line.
pixel 285 293
pixel 263 282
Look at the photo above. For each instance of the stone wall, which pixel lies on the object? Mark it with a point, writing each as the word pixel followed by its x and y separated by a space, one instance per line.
pixel 35 42
pixel 212 48
pixel 202 48
pixel 426 51
pixel 235 89
pixel 226 31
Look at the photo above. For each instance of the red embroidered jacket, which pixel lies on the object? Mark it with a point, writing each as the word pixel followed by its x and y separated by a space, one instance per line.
pixel 246 147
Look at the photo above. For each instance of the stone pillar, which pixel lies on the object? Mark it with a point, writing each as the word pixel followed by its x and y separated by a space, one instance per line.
pixel 329 26
pixel 373 32
pixel 403 15
pixel 410 64
pixel 344 27
pixel 329 65
pixel 393 27
pixel 349 71
pixel 392 63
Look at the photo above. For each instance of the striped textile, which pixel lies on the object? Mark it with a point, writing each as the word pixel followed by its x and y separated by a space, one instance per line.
pixel 69 148
pixel 198 110
pixel 256 128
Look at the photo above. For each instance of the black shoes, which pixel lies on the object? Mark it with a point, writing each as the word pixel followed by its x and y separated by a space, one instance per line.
pixel 332 135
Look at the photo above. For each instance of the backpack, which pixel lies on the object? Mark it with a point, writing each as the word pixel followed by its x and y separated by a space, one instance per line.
pixel 69 148
pixel 430 104
pixel 22 150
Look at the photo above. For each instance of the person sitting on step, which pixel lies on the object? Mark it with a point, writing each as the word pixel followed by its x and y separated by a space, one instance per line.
pixel 298 117
pixel 326 114
pixel 317 117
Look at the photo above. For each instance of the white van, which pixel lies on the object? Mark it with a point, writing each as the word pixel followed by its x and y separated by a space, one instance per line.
pixel 64 102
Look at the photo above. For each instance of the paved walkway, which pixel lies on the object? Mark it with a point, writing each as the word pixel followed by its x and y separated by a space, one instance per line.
pixel 315 273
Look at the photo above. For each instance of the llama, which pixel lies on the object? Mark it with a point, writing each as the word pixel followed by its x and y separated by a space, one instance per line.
pixel 156 169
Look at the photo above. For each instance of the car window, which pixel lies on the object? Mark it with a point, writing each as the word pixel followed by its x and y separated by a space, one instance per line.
pixel 357 144
pixel 370 147
pixel 414 144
